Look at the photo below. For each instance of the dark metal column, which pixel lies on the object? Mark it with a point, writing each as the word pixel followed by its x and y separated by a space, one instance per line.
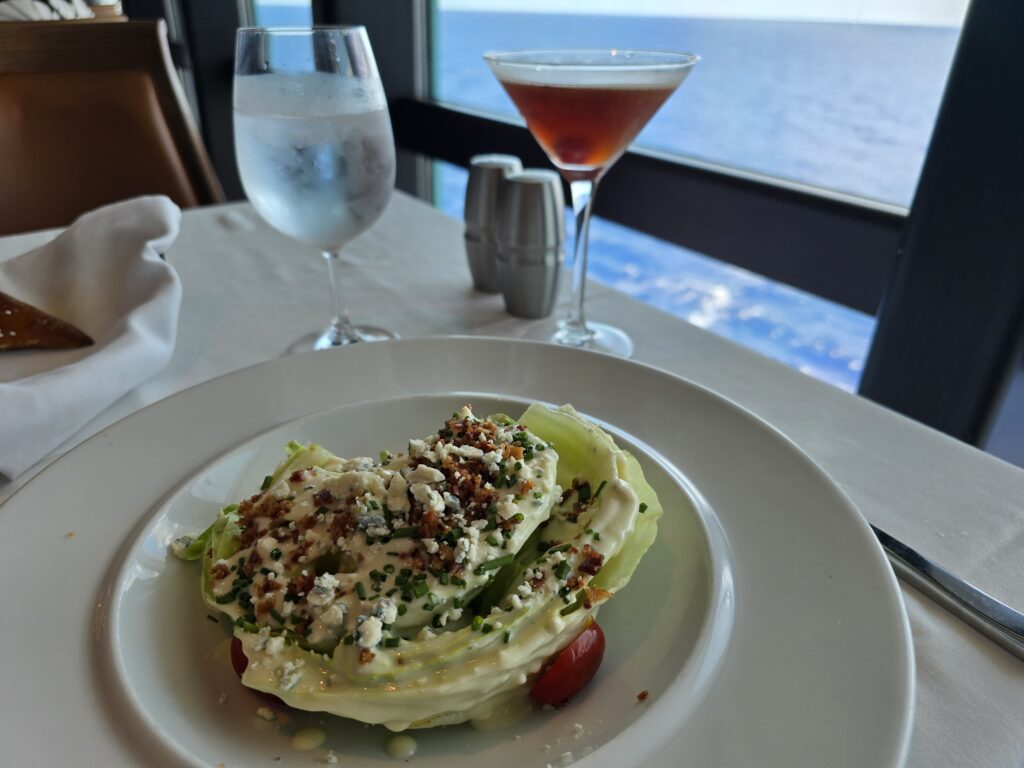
pixel 951 327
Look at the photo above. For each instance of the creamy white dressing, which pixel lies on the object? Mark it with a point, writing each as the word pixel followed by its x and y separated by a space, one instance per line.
pixel 308 738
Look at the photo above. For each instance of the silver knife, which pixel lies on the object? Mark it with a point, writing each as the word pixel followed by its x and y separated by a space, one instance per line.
pixel 995 620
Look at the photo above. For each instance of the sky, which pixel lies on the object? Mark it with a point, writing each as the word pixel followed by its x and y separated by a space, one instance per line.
pixel 946 13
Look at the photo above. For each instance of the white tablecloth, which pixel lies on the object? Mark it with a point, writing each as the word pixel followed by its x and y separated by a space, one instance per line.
pixel 249 293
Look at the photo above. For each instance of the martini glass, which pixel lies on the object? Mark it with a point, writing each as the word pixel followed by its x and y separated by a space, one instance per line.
pixel 584 108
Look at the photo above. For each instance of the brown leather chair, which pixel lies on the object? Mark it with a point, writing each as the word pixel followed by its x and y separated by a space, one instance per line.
pixel 91 114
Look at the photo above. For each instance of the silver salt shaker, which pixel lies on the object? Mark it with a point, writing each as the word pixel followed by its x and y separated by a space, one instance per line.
pixel 487 174
pixel 531 239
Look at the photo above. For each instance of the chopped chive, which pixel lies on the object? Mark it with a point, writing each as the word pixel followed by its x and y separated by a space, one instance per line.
pixel 392 642
pixel 360 590
pixel 508 635
pixel 571 608
pixel 407 572
pixel 406 597
pixel 378 576
pixel 561 548
pixel 228 598
pixel 348 640
pixel 498 562
pixel 538 495
pixel 266 571
pixel 420 577
pixel 277 616
pixel 458 582
pixel 275 553
pixel 492 541
pixel 518 517
pixel 600 488
pixel 457 602
pixel 389 568
pixel 562 570
pixel 401 580
pixel 322 510
pixel 266 482
pixel 390 592
pixel 401 609
pixel 429 607
pixel 643 507
pixel 443 578
pixel 419 589
pixel 597 536
pixel 213 619
pixel 486 628
pixel 404 533
pixel 478 621
pixel 491 525
pixel 248 626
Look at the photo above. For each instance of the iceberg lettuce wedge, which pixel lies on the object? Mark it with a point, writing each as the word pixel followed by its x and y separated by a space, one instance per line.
pixel 546 519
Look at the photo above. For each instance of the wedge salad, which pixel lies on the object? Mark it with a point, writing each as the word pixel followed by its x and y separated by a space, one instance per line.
pixel 434 586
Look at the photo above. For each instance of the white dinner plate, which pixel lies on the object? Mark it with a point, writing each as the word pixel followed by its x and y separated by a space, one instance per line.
pixel 764 622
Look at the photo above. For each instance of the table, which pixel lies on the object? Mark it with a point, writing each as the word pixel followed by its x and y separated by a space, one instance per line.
pixel 249 292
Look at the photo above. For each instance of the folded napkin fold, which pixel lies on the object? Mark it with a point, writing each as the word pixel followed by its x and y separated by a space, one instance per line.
pixel 104 275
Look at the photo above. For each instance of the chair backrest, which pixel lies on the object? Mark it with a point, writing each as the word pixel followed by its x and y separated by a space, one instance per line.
pixel 91 114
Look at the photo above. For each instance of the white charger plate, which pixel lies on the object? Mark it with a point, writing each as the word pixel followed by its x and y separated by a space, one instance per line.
pixel 110 663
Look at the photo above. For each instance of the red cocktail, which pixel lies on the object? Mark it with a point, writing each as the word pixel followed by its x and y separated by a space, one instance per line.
pixel 584 108
pixel 585 129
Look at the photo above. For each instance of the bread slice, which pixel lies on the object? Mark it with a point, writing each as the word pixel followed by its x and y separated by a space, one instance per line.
pixel 22 326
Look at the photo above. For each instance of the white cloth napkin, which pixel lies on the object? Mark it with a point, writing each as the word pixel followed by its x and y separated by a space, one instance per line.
pixel 104 275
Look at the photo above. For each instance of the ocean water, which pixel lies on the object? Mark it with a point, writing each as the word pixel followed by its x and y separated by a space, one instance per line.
pixel 841 106
pixel 848 107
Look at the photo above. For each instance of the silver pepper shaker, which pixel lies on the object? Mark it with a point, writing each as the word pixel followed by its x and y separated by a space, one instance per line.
pixel 487 174
pixel 531 239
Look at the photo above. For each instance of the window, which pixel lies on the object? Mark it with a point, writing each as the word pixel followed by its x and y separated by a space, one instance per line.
pixel 282 13
pixel 840 96
pixel 837 99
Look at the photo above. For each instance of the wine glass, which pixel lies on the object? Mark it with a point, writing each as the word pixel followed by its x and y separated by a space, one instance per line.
pixel 314 146
pixel 584 107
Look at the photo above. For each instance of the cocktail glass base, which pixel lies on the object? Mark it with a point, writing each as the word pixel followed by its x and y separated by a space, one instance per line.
pixel 599 337
pixel 330 338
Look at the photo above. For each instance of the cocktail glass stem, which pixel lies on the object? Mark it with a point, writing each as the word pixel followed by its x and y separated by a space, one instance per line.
pixel 341 331
pixel 574 330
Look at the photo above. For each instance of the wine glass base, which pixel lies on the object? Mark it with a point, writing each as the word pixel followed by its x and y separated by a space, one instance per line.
pixel 329 338
pixel 599 337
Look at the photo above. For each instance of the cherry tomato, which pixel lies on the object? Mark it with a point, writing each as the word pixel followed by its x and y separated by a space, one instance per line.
pixel 239 661
pixel 572 669
pixel 238 658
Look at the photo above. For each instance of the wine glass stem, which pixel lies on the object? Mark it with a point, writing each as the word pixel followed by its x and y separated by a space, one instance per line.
pixel 582 191
pixel 341 331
